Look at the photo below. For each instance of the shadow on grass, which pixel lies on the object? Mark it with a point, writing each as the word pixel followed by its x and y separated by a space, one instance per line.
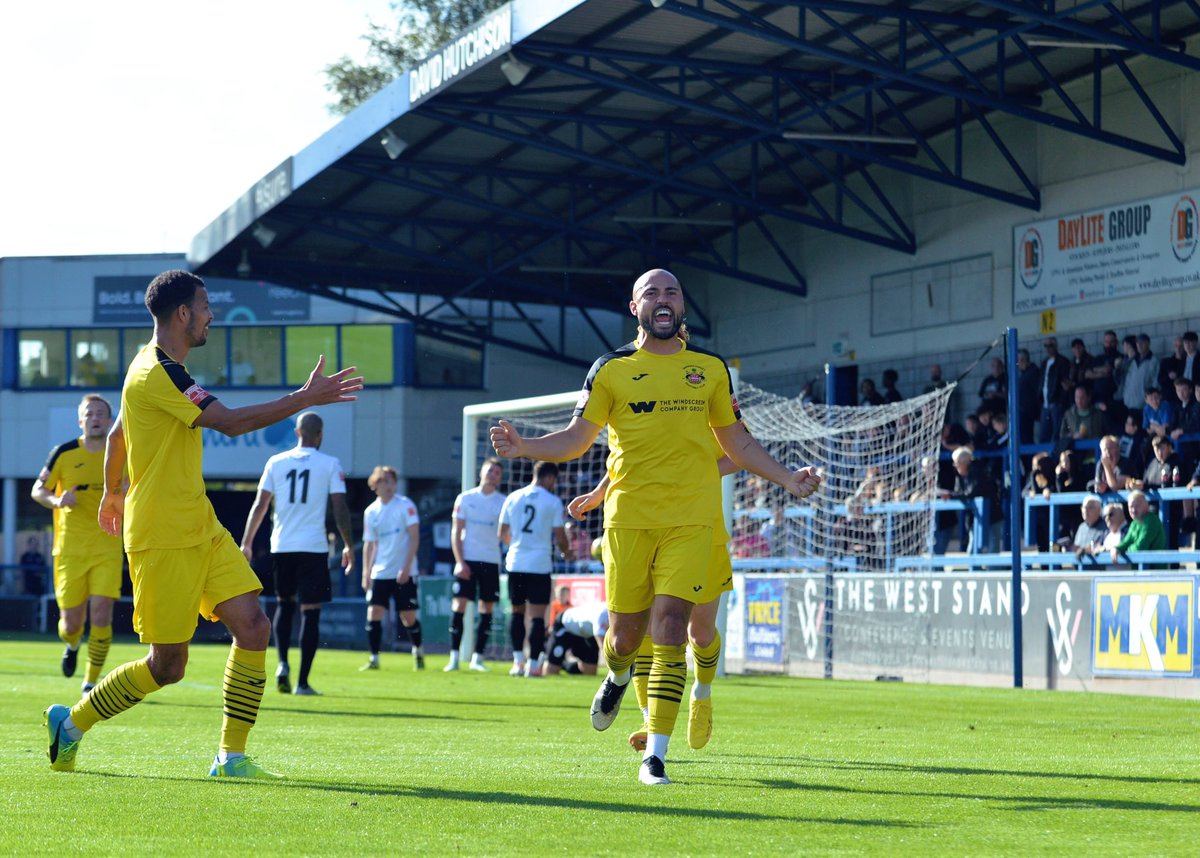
pixel 466 701
pixel 517 799
pixel 1009 802
pixel 916 768
pixel 404 716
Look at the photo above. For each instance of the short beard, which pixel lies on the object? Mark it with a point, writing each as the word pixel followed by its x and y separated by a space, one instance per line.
pixel 646 321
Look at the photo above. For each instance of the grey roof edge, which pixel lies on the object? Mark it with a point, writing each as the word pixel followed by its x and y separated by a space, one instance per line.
pixel 383 108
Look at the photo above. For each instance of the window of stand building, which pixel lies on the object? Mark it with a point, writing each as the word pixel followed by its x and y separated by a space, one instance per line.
pixel 256 357
pixel 95 358
pixel 43 358
pixel 443 363
pixel 304 345
pixel 206 363
pixel 370 349
pixel 131 344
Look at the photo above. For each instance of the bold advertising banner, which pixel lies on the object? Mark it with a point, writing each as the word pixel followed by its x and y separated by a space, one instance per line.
pixel 1136 248
pixel 764 619
pixel 1144 626
pixel 907 626
pixel 121 301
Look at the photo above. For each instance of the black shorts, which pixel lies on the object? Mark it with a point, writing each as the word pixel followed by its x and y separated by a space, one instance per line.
pixel 563 642
pixel 484 582
pixel 384 589
pixel 302 573
pixel 531 587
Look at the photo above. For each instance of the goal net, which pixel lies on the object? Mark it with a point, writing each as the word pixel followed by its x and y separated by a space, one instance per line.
pixel 879 465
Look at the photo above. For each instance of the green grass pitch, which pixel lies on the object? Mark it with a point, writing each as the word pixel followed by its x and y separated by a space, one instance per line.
pixel 397 763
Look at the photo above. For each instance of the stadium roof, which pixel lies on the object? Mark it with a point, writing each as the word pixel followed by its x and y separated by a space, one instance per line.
pixel 561 146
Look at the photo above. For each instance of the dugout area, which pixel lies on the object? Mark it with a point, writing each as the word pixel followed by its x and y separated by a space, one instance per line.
pixel 560 147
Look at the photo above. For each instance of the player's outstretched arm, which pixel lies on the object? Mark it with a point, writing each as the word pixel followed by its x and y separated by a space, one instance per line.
pixel 410 556
pixel 258 511
pixel 320 389
pixel 561 446
pixel 341 518
pixel 745 452
pixel 112 502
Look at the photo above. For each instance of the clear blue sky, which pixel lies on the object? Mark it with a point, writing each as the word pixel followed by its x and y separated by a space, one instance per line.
pixel 130 125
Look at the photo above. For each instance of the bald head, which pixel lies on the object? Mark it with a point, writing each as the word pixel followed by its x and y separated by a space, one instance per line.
pixel 309 427
pixel 659 277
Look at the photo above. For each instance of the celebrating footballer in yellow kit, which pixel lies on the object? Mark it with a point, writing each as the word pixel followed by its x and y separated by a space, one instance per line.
pixel 182 561
pixel 662 400
pixel 87 561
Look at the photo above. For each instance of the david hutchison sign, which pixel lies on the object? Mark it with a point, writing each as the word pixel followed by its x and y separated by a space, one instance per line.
pixel 1146 246
pixel 475 46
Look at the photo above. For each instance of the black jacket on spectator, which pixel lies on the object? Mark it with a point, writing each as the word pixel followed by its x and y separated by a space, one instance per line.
pixel 1057 378
pixel 977 484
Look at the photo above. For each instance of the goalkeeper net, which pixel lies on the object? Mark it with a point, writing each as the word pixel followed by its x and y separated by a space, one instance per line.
pixel 879 465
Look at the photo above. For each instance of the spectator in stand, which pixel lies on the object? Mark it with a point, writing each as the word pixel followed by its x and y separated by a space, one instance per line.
pixel 1029 397
pixel 973 482
pixel 1136 374
pixel 993 390
pixel 1145 532
pixel 1069 476
pixel 1157 414
pixel 33 568
pixel 1191 367
pixel 580 542
pixel 890 393
pixel 1134 444
pixel 1082 421
pixel 1112 472
pixel 1089 535
pixel 1159 473
pixel 1171 368
pixel 1081 362
pixel 1102 376
pixel 936 382
pixel 1055 381
pixel 1114 520
pixel 975 431
pixel 870 396
pixel 748 541
pixel 1186 422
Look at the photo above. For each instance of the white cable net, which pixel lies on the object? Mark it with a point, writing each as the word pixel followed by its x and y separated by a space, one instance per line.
pixel 879 465
pixel 879 469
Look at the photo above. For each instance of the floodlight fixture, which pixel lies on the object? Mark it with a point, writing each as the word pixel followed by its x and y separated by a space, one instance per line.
pixel 658 4
pixel 515 70
pixel 243 267
pixel 263 234
pixel 392 143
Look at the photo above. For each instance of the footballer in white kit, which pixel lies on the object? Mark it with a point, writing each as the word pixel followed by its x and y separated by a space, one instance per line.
pixel 531 523
pixel 579 630
pixel 297 485
pixel 475 541
pixel 391 536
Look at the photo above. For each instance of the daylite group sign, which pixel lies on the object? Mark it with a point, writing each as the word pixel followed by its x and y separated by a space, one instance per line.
pixel 1136 248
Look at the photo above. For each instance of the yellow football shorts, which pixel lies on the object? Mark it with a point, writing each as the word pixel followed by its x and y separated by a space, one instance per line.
pixel 77 576
pixel 174 586
pixel 720 573
pixel 639 564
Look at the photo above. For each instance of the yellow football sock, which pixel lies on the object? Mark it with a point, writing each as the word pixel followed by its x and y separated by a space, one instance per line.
pixel 641 670
pixel 706 660
pixel 245 677
pixel 616 663
pixel 122 689
pixel 98 643
pixel 668 674
pixel 70 640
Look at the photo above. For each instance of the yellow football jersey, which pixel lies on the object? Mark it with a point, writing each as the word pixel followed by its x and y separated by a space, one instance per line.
pixel 167 506
pixel 76 530
pixel 660 410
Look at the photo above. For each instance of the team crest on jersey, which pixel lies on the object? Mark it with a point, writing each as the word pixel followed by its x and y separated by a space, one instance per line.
pixel 694 376
pixel 196 393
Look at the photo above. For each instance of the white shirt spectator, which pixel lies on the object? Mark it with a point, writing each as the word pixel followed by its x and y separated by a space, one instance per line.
pixel 532 515
pixel 300 482
pixel 481 541
pixel 387 526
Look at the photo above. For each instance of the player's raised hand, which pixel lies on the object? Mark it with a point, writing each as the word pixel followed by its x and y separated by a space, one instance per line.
pixel 582 505
pixel 327 389
pixel 506 441
pixel 112 512
pixel 803 482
